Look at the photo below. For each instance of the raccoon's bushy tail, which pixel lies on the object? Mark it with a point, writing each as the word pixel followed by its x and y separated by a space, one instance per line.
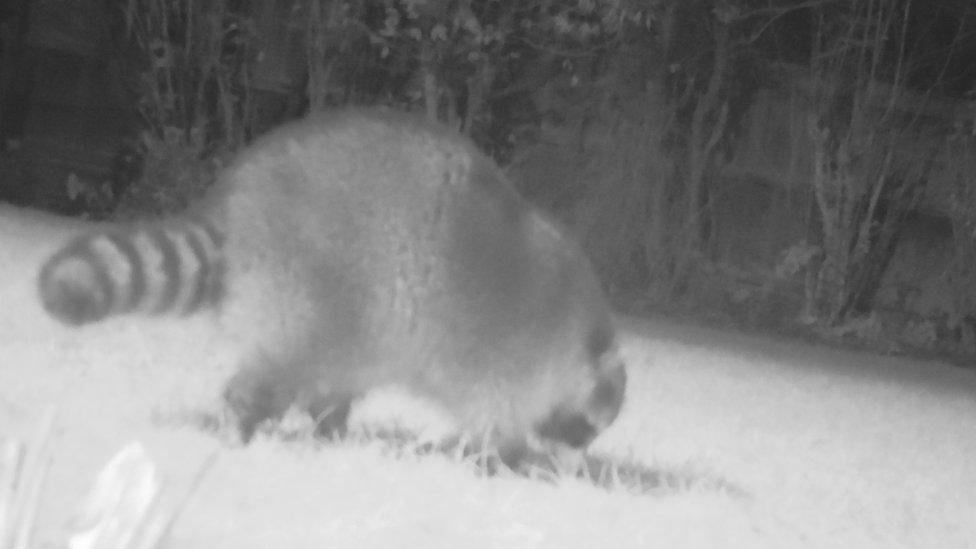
pixel 150 269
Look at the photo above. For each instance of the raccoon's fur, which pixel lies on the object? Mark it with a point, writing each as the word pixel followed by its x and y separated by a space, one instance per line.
pixel 367 248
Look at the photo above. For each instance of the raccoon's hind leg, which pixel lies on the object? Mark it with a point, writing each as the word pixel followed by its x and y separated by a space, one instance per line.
pixel 264 391
pixel 257 393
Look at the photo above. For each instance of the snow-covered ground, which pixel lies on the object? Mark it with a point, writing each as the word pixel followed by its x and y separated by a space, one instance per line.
pixel 822 448
pixel 843 449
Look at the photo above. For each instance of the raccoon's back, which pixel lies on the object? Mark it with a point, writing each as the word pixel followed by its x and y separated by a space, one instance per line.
pixel 406 241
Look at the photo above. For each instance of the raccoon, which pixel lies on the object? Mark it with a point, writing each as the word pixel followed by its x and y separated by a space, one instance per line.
pixel 366 248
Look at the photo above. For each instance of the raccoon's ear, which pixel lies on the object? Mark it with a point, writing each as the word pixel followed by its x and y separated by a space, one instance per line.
pixel 600 341
pixel 607 397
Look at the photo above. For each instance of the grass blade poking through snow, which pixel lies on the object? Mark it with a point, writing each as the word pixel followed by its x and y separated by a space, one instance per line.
pixel 22 475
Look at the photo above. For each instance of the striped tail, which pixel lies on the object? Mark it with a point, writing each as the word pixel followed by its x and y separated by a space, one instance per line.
pixel 149 269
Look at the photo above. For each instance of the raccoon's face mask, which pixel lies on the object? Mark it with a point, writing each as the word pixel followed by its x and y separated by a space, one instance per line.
pixel 581 403
pixel 576 422
pixel 577 426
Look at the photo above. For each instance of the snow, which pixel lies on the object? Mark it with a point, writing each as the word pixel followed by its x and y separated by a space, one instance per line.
pixel 818 447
